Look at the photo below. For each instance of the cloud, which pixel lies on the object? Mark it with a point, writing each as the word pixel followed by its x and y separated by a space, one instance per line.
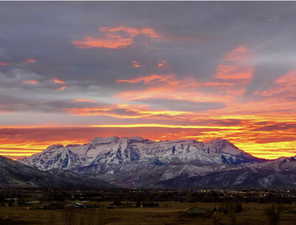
pixel 16 77
pixel 4 63
pixel 116 37
pixel 236 65
pixel 166 78
pixel 239 54
pixel 132 31
pixel 30 60
pixel 210 62
pixel 284 86
pixel 231 72
pixel 11 104
pixel 25 61
pixel 57 81
pixel 84 100
pixel 261 142
pixel 31 82
pixel 222 84
pixel 124 111
pixel 136 64
pixel 162 64
pixel 230 80
pixel 168 86
pixel 62 88
pixel 113 42
pixel 61 84
pixel 25 81
pixel 277 127
pixel 185 105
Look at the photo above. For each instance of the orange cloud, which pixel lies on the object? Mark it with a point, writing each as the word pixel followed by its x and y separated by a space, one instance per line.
pixel 113 42
pixel 30 60
pixel 62 84
pixel 230 80
pixel 234 72
pixel 238 54
pixel 57 81
pixel 167 78
pixel 84 100
pixel 123 111
pixel 168 92
pixel 264 127
pixel 27 61
pixel 258 136
pixel 236 65
pixel 284 86
pixel 132 31
pixel 167 86
pixel 31 82
pixel 115 37
pixel 62 88
pixel 4 63
pixel 217 84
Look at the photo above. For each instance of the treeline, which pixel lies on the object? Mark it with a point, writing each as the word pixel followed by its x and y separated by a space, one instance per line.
pixel 136 195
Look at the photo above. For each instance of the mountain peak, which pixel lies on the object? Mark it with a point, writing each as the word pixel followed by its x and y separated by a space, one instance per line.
pixel 106 151
pixel 219 141
pixel 54 147
pixel 136 138
pixel 134 159
pixel 115 139
pixel 225 146
pixel 104 140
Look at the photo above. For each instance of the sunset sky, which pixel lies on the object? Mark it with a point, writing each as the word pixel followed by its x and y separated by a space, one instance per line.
pixel 72 71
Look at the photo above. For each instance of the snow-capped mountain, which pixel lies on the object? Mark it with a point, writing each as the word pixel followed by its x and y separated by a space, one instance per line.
pixel 140 162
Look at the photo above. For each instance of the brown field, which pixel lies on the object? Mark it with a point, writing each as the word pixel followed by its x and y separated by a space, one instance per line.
pixel 168 213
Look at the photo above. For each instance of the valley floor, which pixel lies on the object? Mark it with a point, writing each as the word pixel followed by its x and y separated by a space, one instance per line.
pixel 168 213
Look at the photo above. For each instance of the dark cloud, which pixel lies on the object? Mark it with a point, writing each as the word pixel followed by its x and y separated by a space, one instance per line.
pixel 18 104
pixel 46 30
pixel 195 38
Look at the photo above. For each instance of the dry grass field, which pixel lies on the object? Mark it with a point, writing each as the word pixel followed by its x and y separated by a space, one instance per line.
pixel 168 213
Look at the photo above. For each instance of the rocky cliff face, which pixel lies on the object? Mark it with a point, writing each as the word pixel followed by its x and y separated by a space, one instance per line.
pixel 135 162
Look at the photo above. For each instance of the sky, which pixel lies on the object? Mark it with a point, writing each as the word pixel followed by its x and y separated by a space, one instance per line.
pixel 72 71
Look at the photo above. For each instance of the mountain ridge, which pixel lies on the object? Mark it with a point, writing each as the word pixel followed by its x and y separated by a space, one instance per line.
pixel 278 173
pixel 15 174
pixel 138 162
pixel 132 149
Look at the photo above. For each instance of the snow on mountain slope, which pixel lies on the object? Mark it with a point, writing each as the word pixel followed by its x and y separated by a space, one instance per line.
pixel 136 161
pixel 54 157
pixel 119 151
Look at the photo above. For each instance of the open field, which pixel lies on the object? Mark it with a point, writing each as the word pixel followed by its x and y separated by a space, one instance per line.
pixel 168 213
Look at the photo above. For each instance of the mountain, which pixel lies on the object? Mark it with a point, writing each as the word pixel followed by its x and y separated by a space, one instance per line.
pixel 139 162
pixel 279 173
pixel 15 174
